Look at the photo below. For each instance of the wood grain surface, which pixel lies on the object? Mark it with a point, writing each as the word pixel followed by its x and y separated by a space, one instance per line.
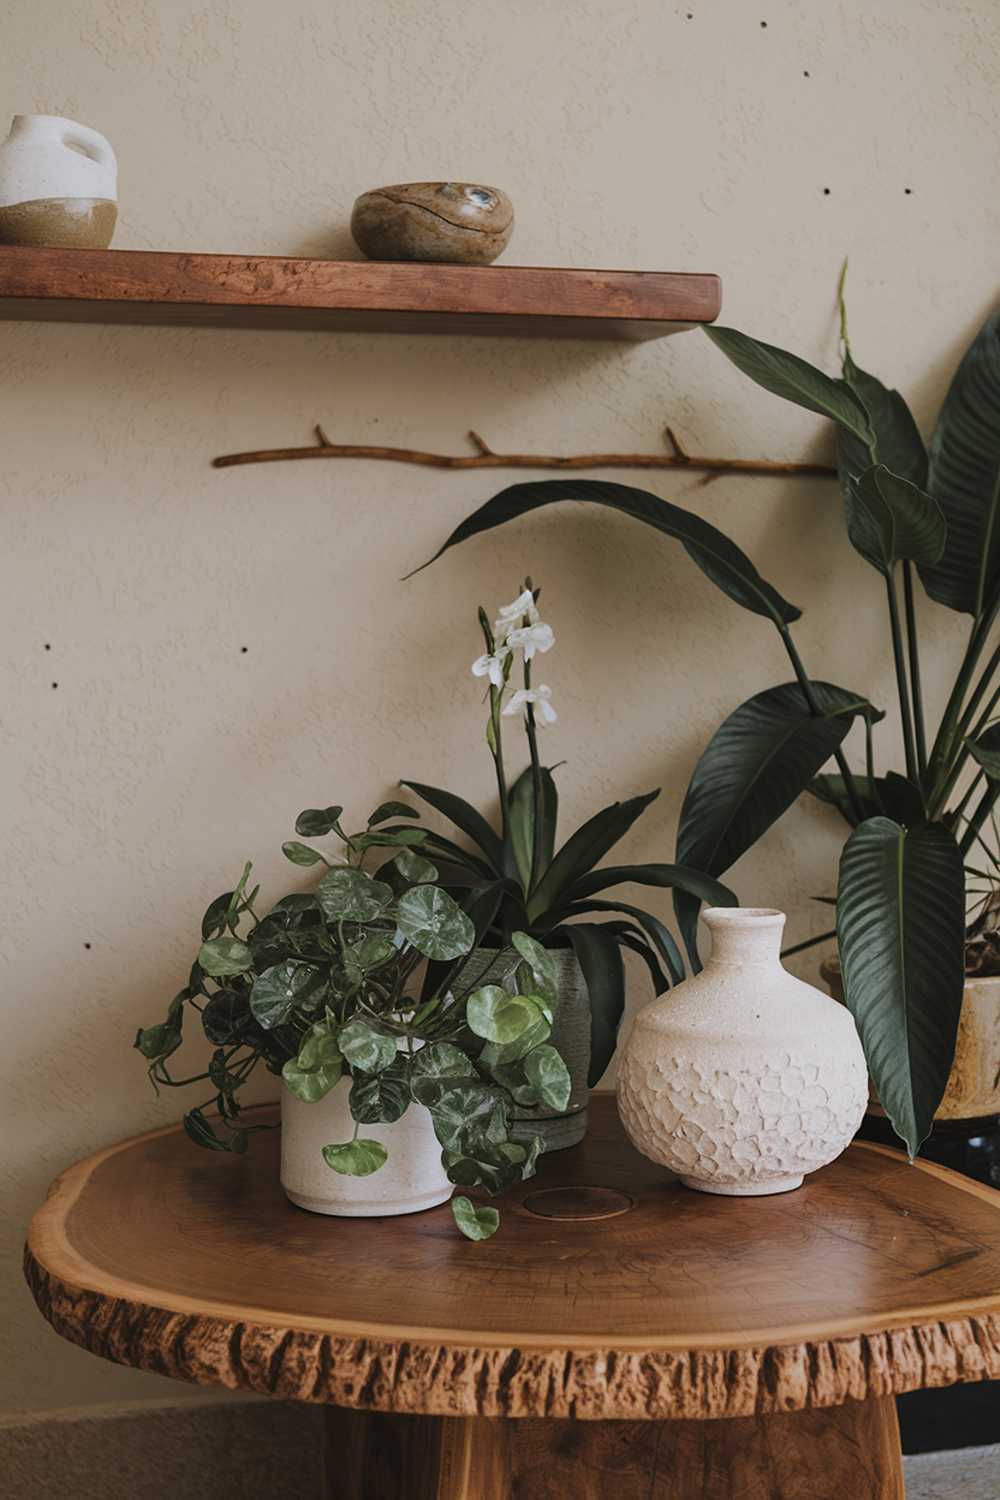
pixel 260 291
pixel 875 1277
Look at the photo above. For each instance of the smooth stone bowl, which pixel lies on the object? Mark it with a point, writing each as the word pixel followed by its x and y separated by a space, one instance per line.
pixel 460 222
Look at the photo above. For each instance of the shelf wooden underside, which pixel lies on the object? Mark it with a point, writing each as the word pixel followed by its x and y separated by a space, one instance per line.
pixel 240 291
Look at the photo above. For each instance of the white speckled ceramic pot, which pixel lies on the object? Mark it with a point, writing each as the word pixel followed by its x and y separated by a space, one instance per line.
pixel 411 1179
pixel 743 1078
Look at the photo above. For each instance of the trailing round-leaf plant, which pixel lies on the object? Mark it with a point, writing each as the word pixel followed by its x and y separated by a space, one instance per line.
pixel 518 880
pixel 913 514
pixel 322 987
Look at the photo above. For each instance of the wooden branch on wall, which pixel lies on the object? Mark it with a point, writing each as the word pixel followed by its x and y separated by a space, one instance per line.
pixel 485 457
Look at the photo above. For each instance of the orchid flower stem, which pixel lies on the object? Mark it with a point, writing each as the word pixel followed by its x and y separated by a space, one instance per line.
pixel 913 649
pixel 496 747
pixel 809 694
pixel 537 827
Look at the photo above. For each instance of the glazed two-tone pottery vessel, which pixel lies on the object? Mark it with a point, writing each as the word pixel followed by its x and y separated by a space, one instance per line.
pixel 58 185
pixel 742 1079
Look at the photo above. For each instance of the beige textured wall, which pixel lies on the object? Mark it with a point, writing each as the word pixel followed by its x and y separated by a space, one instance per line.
pixel 681 135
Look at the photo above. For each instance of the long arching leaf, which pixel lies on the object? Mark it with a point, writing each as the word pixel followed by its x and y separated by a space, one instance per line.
pixel 522 820
pixel 754 767
pixel 465 817
pixel 659 935
pixel 787 375
pixel 581 851
pixel 600 959
pixel 965 478
pixel 901 932
pixel 719 558
pixel 670 877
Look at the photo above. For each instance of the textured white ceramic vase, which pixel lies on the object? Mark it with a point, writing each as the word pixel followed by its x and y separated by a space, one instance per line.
pixel 411 1179
pixel 743 1078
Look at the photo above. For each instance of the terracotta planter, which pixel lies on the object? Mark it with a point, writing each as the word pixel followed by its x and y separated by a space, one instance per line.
pixel 743 1078
pixel 570 1036
pixel 411 1179
pixel 973 1088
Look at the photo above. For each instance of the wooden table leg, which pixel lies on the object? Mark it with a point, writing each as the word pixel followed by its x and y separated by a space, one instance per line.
pixel 848 1452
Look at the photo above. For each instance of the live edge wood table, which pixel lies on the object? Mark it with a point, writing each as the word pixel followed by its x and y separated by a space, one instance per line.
pixel 650 1341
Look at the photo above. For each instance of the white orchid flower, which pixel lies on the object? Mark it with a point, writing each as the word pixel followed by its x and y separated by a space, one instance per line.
pixel 531 638
pixel 491 666
pixel 511 614
pixel 540 697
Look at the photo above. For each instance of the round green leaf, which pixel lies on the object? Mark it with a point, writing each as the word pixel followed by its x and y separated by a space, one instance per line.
pixel 414 868
pixel 541 967
pixel 366 1049
pixel 281 989
pixel 214 920
pixel 434 923
pixel 319 1065
pixel 380 1098
pixel 392 810
pixel 300 854
pixel 370 952
pixel 498 1017
pixel 475 1223
pixel 352 896
pixel 356 1158
pixel 222 957
pixel 441 1060
pixel 317 821
pixel 550 1076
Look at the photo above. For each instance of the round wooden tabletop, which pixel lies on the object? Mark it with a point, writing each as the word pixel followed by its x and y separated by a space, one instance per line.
pixel 610 1290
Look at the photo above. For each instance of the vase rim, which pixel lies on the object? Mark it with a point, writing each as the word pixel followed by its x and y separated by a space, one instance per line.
pixel 743 916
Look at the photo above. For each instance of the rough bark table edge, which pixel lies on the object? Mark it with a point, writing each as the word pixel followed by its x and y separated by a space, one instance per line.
pixel 504 1381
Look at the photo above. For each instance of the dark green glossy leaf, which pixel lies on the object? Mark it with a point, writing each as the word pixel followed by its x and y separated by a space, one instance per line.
pixel 214 921
pixel 582 850
pixel 601 961
pixel 365 1048
pixel 317 821
pixel 381 1098
pixel 668 877
pixel 369 952
pixel 226 1017
pixel 659 935
pixel 493 1167
pixel 466 1115
pixel 965 478
pixel 358 1158
pixel 440 1060
pixel 986 750
pixel 889 519
pixel 283 988
pixel 158 1042
pixel 225 956
pixel 522 821
pixel 300 854
pixel 719 559
pixel 895 441
pixel 901 934
pixel 203 1134
pixel 760 759
pixel 392 810
pixel 550 1076
pixel 352 896
pixel 414 868
pixel 475 1223
pixel 794 379
pixel 434 923
pixel 464 817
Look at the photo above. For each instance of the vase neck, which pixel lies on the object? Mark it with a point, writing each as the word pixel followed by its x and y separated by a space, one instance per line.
pixel 744 935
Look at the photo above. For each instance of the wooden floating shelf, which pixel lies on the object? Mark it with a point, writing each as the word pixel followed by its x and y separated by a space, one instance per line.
pixel 260 291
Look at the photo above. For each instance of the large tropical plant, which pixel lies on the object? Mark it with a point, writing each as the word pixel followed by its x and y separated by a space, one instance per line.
pixel 913 515
pixel 519 881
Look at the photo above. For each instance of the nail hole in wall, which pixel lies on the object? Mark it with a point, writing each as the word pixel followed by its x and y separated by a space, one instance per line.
pixel 763 25
pixel 826 192
pixel 907 191
pixel 48 646
pixel 244 650
pixel 55 684
pixel 805 73
pixel 87 945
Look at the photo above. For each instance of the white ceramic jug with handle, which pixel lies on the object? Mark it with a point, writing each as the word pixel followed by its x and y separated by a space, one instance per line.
pixel 58 184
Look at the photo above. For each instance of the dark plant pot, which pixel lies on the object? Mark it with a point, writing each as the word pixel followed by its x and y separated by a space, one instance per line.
pixel 570 1037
